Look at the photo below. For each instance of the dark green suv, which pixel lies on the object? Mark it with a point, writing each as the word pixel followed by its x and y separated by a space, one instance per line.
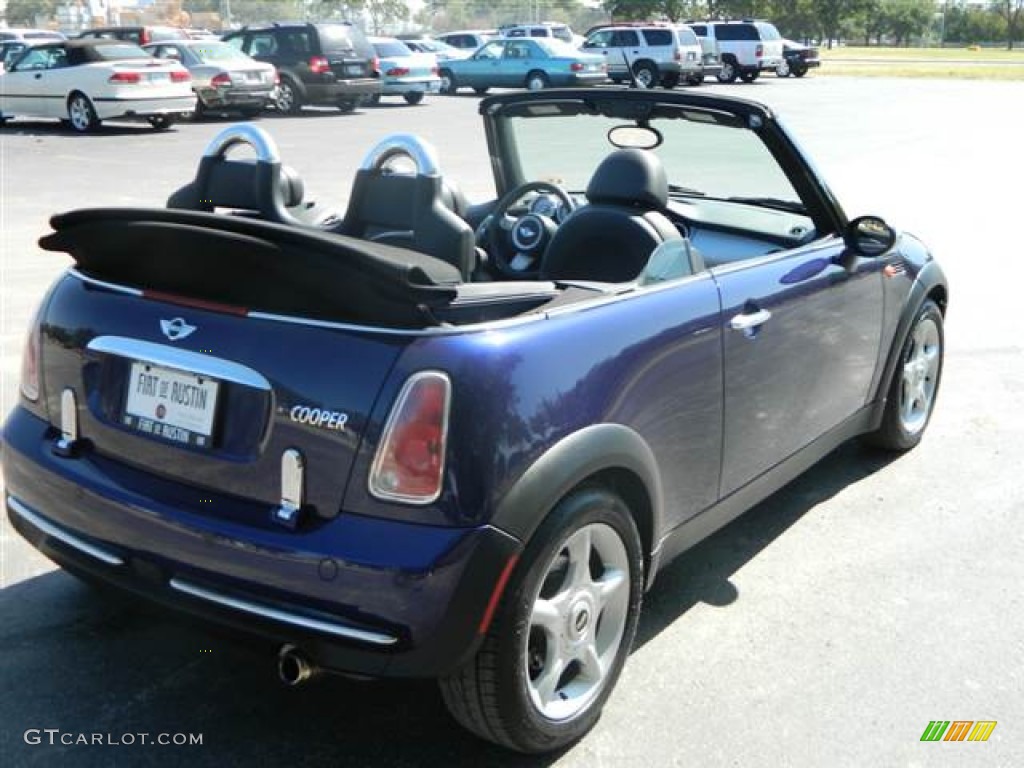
pixel 317 63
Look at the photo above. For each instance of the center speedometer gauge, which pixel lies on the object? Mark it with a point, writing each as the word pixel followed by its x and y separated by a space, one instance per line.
pixel 545 205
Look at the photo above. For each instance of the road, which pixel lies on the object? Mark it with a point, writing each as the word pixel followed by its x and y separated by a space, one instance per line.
pixel 827 626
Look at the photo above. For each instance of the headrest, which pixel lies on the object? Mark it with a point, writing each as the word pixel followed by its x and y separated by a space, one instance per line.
pixel 632 177
pixel 292 189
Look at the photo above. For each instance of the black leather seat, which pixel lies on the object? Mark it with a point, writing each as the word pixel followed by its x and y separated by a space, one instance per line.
pixel 411 207
pixel 612 238
pixel 262 187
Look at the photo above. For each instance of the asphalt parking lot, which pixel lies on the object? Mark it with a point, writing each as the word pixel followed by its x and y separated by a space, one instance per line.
pixel 827 626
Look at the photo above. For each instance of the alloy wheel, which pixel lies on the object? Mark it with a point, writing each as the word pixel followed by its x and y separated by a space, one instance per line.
pixel 920 376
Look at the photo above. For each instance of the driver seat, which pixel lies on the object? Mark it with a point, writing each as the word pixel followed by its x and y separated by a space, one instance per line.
pixel 611 239
pixel 400 198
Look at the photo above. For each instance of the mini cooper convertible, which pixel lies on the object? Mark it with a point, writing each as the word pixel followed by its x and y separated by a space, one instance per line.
pixel 452 440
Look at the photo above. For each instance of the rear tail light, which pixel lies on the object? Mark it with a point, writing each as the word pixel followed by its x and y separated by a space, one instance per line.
pixel 577 66
pixel 759 51
pixel 435 70
pixel 277 77
pixel 397 72
pixel 409 465
pixel 125 78
pixel 145 37
pixel 375 64
pixel 182 76
pixel 30 365
pixel 678 55
pixel 318 65
pixel 221 81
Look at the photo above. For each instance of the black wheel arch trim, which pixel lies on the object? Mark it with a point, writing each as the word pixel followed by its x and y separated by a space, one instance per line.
pixel 930 281
pixel 596 451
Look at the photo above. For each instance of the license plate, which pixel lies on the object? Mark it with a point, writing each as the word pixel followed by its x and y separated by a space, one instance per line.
pixel 159 77
pixel 175 405
pixel 353 69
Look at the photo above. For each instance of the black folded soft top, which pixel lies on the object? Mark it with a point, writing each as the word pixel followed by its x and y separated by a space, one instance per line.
pixel 256 265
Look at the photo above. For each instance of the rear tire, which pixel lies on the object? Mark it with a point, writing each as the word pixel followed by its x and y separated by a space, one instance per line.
pixel 695 79
pixel 728 73
pixel 562 631
pixel 670 81
pixel 81 115
pixel 645 75
pixel 749 75
pixel 915 383
pixel 783 70
pixel 347 105
pixel 800 70
pixel 537 81
pixel 414 97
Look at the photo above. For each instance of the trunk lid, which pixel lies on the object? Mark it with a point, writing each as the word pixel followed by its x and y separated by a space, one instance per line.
pixel 182 340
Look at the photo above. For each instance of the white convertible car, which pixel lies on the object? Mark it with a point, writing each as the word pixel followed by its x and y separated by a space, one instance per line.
pixel 84 82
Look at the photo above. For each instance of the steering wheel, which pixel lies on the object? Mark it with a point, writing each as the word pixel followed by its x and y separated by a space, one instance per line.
pixel 516 245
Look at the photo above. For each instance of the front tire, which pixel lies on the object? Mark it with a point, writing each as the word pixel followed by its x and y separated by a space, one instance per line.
pixel 289 99
pixel 81 114
pixel 915 383
pixel 448 85
pixel 562 631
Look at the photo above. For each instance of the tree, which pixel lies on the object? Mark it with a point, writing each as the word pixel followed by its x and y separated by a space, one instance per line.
pixel 383 13
pixel 24 13
pixel 1012 12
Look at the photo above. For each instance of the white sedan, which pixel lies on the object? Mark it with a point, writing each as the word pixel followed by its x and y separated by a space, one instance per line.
pixel 87 81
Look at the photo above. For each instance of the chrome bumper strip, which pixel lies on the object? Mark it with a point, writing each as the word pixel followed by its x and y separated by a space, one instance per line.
pixel 276 614
pixel 61 535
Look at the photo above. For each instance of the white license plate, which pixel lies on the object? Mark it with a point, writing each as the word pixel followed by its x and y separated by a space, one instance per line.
pixel 171 404
pixel 353 69
pixel 159 77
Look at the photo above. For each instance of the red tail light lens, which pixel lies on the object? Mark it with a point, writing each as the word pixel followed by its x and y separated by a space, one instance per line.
pixel 145 37
pixel 759 51
pixel 30 365
pixel 125 78
pixel 409 465
pixel 577 66
pixel 220 81
pixel 678 55
pixel 181 76
pixel 397 72
pixel 318 65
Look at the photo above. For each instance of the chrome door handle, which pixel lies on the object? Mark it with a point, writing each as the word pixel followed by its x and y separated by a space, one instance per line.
pixel 747 321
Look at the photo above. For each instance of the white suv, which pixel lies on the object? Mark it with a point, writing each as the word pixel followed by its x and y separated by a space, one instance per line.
pixel 549 29
pixel 746 47
pixel 655 53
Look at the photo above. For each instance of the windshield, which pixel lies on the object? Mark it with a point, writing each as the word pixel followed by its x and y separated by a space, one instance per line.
pixel 215 51
pixel 702 156
pixel 555 47
pixel 391 48
pixel 118 51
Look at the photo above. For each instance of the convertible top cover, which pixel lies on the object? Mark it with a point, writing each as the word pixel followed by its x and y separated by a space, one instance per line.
pixel 255 265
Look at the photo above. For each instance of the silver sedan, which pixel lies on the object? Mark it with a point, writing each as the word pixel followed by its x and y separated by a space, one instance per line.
pixel 224 78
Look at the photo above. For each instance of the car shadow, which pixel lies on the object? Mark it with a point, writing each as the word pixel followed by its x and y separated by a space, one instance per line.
pixel 86 660
pixel 51 128
pixel 701 575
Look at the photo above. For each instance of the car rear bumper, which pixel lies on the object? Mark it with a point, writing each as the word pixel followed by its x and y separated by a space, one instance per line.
pixel 331 92
pixel 109 108
pixel 215 97
pixel 399 86
pixel 359 595
pixel 579 78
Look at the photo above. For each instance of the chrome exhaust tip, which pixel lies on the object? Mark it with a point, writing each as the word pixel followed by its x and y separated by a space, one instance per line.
pixel 294 667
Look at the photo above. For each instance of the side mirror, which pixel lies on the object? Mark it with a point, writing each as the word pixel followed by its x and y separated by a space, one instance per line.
pixel 869 236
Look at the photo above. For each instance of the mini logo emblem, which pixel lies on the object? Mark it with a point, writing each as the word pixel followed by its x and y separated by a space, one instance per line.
pixel 176 329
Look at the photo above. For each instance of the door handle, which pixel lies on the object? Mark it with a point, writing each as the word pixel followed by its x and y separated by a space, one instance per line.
pixel 748 321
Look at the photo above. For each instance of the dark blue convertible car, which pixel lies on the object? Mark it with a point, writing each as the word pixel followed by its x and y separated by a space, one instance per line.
pixel 434 438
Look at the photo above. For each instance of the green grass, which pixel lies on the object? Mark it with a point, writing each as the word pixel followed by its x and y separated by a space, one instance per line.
pixel 955 63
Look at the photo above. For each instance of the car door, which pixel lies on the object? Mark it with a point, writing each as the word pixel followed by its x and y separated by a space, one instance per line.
pixel 624 50
pixel 481 70
pixel 32 87
pixel 800 348
pixel 520 57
